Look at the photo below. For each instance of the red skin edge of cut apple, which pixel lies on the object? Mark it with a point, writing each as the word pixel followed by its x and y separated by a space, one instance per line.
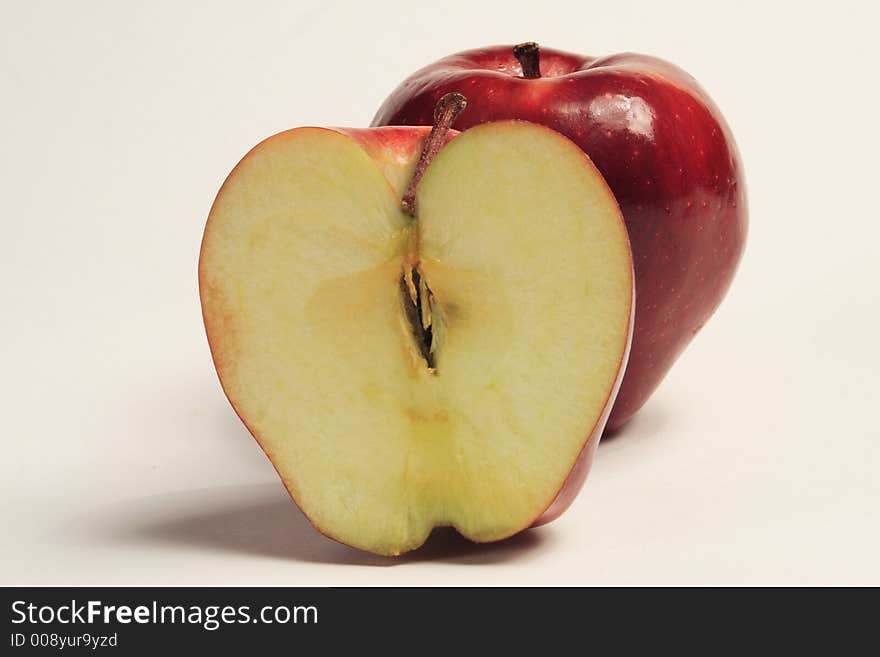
pixel 574 481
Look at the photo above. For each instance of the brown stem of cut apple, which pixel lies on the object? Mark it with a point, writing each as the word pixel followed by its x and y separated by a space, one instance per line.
pixel 446 111
pixel 528 55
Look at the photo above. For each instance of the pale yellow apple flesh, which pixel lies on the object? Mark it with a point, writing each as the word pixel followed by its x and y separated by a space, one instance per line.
pixel 306 273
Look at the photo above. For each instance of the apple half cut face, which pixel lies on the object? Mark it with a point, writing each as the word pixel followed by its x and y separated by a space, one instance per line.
pixel 453 369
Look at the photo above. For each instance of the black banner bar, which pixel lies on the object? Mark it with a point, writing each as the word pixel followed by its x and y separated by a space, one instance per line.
pixel 134 621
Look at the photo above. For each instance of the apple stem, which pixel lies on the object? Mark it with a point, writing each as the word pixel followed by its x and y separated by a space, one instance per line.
pixel 446 111
pixel 528 55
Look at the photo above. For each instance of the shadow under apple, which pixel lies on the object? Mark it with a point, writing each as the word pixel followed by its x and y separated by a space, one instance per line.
pixel 262 520
pixel 646 424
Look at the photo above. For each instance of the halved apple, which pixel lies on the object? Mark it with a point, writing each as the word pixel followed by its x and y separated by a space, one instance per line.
pixel 403 373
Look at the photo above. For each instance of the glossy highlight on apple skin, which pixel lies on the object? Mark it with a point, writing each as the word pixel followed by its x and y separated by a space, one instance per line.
pixel 666 153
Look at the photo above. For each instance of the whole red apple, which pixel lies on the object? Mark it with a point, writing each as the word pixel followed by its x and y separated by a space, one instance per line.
pixel 663 148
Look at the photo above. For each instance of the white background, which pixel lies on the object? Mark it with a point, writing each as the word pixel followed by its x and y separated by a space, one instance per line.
pixel 756 462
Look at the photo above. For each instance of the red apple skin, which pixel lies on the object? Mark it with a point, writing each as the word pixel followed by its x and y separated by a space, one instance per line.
pixel 666 153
